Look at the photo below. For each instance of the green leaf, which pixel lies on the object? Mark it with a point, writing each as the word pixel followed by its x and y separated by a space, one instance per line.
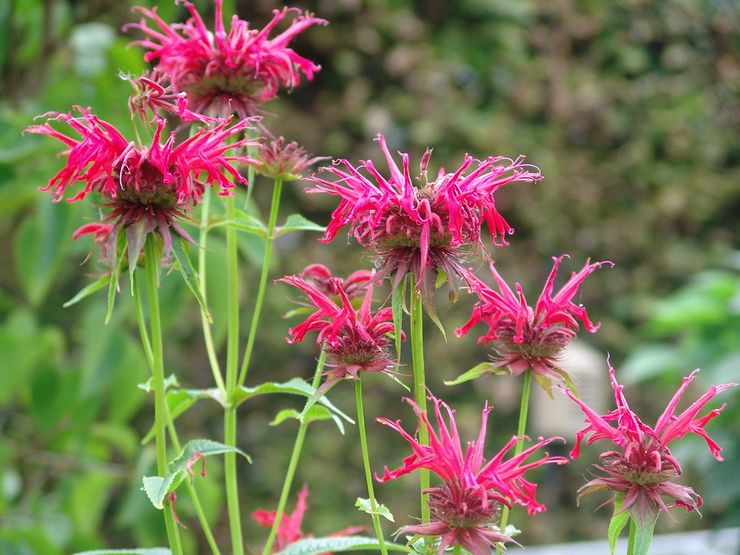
pixel 315 413
pixel 135 551
pixel 188 274
pixel 244 222
pixel 619 520
pixel 441 278
pixel 335 544
pixel 643 535
pixel 157 488
pixel 88 290
pixel 113 283
pixel 180 400
pixel 169 382
pixel 135 236
pixel 474 372
pixel 434 317
pixel 397 302
pixel 381 510
pixel 296 222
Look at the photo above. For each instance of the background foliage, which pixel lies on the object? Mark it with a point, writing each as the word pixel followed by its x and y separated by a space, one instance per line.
pixel 629 108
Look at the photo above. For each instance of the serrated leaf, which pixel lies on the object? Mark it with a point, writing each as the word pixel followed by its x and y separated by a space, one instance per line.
pixel 157 487
pixel 335 544
pixel 244 222
pixel 315 413
pixel 88 290
pixel 381 510
pixel 475 372
pixel 619 520
pixel 189 275
pixel 296 222
pixel 135 551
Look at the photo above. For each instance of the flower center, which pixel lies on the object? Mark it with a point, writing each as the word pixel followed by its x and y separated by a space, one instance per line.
pixel 461 507
pixel 143 184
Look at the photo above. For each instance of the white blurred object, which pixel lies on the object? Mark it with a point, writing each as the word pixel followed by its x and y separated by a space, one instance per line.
pixel 90 42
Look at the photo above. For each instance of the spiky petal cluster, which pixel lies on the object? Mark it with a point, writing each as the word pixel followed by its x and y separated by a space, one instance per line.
pixel 225 73
pixel 642 467
pixel 526 337
pixel 289 529
pixel 465 506
pixel 419 226
pixel 355 285
pixel 147 186
pixel 285 161
pixel 355 340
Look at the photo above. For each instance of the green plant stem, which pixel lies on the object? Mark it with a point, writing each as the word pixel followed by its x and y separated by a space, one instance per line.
pixel 456 550
pixel 152 261
pixel 170 423
pixel 631 540
pixel 202 261
pixel 232 355
pixel 271 223
pixel 520 431
pixel 366 464
pixel 293 464
pixel 250 170
pixel 420 393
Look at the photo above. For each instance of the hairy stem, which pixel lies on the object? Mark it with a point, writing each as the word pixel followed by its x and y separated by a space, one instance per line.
pixel 520 431
pixel 152 262
pixel 293 464
pixel 420 393
pixel 272 221
pixel 366 464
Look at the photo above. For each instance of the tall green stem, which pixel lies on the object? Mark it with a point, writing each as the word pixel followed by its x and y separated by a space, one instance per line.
pixel 293 464
pixel 271 223
pixel 631 540
pixel 152 261
pixel 366 464
pixel 146 344
pixel 420 393
pixel 520 431
pixel 232 362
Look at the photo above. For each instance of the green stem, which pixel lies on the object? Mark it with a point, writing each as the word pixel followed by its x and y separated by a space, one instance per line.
pixel 631 540
pixel 202 261
pixel 232 362
pixel 520 431
pixel 153 261
pixel 271 223
pixel 294 457
pixel 169 422
pixel 366 464
pixel 420 393
pixel 250 172
pixel 456 550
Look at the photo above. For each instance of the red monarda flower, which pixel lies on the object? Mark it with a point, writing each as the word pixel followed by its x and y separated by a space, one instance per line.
pixel 355 285
pixel 289 529
pixel 415 225
pixel 224 73
pixel 355 340
pixel 465 507
pixel 143 187
pixel 642 467
pixel 525 337
pixel 287 161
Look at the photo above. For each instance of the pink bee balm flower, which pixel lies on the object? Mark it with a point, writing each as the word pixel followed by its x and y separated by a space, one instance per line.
pixel 224 73
pixel 420 228
pixel 642 467
pixel 526 337
pixel 355 285
pixel 277 159
pixel 354 340
pixel 144 187
pixel 465 507
pixel 289 530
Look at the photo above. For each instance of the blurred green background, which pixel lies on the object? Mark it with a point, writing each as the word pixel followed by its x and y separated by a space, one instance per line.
pixel 630 109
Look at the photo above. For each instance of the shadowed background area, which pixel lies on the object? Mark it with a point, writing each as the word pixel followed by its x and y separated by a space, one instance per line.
pixel 629 108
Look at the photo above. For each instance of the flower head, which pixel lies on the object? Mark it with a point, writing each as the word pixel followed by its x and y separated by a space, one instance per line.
pixel 289 529
pixel 464 508
pixel 355 340
pixel 420 226
pixel 277 159
pixel 642 467
pixel 526 337
pixel 143 187
pixel 224 73
pixel 355 285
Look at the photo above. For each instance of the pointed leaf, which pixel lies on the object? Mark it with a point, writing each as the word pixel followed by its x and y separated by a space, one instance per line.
pixel 189 275
pixel 113 283
pixel 315 413
pixel 381 510
pixel 296 222
pixel 244 222
pixel 473 373
pixel 157 488
pixel 432 313
pixel 397 299
pixel 643 535
pixel 336 544
pixel 88 290
pixel 180 400
pixel 135 551
pixel 135 236
pixel 619 520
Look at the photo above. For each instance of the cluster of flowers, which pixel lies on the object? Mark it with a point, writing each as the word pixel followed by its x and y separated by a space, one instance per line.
pixel 419 226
